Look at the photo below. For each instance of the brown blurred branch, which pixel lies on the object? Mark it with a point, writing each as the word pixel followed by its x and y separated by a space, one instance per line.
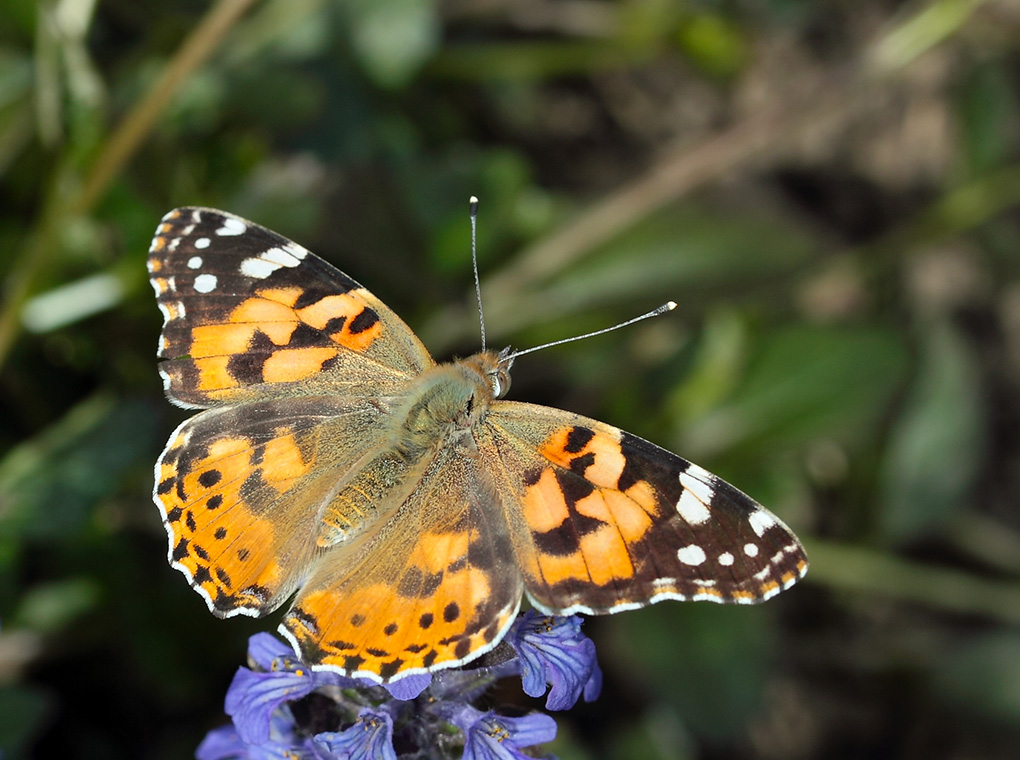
pixel 873 572
pixel 686 167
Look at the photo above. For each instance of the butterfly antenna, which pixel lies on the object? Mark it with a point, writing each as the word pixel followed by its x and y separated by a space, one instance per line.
pixel 473 212
pixel 668 306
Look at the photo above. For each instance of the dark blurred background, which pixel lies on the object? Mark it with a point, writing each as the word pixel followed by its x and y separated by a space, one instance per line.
pixel 830 189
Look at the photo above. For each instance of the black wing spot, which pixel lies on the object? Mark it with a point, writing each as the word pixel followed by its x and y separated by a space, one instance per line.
pixel 209 478
pixel 334 325
pixel 389 669
pixel 365 319
pixel 573 486
pixel 352 662
pixel 577 439
pixel 165 486
pixel 390 629
pixel 533 475
pixel 214 501
pixel 425 621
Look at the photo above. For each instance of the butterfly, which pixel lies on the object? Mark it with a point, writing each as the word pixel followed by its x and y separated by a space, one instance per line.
pixel 405 504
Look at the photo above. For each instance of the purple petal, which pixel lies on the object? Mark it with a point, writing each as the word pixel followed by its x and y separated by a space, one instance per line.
pixel 264 648
pixel 370 738
pixel 554 651
pixel 220 744
pixel 253 697
pixel 494 737
pixel 224 743
pixel 409 687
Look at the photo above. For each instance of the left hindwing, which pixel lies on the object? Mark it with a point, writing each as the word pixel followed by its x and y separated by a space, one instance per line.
pixel 605 521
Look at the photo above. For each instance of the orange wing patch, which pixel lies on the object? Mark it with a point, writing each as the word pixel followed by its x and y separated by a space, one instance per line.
pixel 437 611
pixel 213 500
pixel 612 522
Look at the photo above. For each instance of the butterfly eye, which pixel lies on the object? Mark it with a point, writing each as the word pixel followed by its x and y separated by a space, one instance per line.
pixel 500 382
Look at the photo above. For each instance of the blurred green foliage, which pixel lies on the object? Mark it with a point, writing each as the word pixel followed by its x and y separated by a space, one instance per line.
pixel 829 190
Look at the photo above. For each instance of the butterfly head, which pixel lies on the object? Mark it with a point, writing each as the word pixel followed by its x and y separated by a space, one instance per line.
pixel 494 369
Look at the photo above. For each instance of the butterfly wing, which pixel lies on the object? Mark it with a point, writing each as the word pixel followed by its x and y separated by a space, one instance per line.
pixel 243 488
pixel 608 521
pixel 434 586
pixel 297 361
pixel 248 312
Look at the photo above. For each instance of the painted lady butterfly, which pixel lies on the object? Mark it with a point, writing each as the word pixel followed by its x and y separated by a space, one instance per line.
pixel 405 502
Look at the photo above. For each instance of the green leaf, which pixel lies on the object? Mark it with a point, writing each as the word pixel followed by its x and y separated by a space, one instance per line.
pixel 393 38
pixel 49 607
pixel 936 446
pixel 49 484
pixel 805 382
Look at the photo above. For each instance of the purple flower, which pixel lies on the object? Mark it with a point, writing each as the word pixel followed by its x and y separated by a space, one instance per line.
pixel 554 651
pixel 224 743
pixel 254 696
pixel 370 738
pixel 488 736
pixel 409 687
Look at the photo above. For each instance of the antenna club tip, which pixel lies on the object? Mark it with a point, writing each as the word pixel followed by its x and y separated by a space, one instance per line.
pixel 473 202
pixel 669 305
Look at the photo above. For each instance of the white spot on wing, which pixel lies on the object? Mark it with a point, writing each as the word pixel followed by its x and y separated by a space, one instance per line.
pixel 698 494
pixel 258 268
pixel 726 559
pixel 232 227
pixel 691 555
pixel 691 508
pixel 205 283
pixel 295 250
pixel 760 521
pixel 202 243
pixel 751 550
pixel 194 262
pixel 280 256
